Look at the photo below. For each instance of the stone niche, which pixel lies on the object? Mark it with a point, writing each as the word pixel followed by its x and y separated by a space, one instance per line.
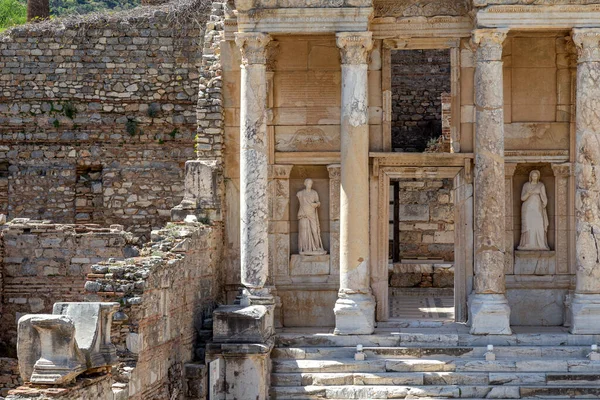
pixel 320 177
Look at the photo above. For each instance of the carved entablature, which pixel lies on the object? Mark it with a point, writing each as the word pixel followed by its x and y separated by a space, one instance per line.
pixel 247 5
pixel 484 3
pixel 587 42
pixel 355 47
pixel 421 8
pixel 489 42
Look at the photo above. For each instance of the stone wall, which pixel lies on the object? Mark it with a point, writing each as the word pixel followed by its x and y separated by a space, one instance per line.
pixel 419 78
pixel 9 375
pixel 109 96
pixel 426 219
pixel 45 263
pixel 167 296
pixel 88 388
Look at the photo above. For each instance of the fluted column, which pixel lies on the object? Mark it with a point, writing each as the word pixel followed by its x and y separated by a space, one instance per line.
pixel 254 211
pixel 585 307
pixel 489 312
pixel 355 307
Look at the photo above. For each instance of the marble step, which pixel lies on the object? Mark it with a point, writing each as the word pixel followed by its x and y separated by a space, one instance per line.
pixel 436 365
pixel 434 378
pixel 412 337
pixel 432 392
pixel 517 352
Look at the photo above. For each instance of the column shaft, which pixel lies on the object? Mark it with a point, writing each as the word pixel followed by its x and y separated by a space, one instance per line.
pixel 253 163
pixel 585 307
pixel 489 311
pixel 355 308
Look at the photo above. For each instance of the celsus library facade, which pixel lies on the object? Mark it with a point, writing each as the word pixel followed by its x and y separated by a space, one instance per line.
pixel 451 152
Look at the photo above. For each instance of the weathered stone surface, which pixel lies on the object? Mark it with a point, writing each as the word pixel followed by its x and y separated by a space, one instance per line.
pixel 239 324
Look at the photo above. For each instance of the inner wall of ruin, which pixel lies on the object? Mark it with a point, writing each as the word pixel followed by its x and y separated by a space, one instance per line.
pixel 98 118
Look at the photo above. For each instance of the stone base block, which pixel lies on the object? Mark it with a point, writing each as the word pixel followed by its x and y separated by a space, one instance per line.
pixel 585 314
pixel 354 314
pixel 309 265
pixel 489 314
pixel 243 324
pixel 535 262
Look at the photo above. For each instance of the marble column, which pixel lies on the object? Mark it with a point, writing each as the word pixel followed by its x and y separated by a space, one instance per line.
pixel 585 308
pixel 254 248
pixel 355 307
pixel 489 312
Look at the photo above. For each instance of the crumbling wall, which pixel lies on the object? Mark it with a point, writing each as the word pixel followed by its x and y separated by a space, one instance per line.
pixel 167 297
pixel 114 93
pixel 9 375
pixel 88 388
pixel 419 78
pixel 44 263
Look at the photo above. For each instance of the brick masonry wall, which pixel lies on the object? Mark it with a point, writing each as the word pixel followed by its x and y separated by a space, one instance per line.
pixel 9 375
pixel 44 263
pixel 419 77
pixel 167 296
pixel 426 219
pixel 115 93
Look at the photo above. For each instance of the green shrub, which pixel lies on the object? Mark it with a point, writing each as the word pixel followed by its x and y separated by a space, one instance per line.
pixel 12 12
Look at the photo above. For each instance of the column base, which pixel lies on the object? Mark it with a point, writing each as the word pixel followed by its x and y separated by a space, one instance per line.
pixel 489 314
pixel 354 314
pixel 585 314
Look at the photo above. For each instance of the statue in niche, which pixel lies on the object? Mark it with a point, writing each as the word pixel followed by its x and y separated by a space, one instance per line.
pixel 309 230
pixel 534 217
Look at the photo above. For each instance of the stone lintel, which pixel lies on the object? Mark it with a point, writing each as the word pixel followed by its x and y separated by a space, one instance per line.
pixel 417 28
pixel 306 20
pixel 243 324
pixel 539 17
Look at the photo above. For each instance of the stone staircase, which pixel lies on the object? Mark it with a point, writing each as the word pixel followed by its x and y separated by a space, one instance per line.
pixel 434 363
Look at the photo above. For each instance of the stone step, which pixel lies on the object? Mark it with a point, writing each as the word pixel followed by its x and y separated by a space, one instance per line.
pixel 436 365
pixel 440 337
pixel 517 352
pixel 432 392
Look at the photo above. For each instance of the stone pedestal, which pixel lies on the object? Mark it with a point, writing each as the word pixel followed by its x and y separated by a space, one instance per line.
pixel 309 265
pixel 200 195
pixel 536 262
pixel 355 307
pixel 489 311
pixel 585 308
pixel 254 250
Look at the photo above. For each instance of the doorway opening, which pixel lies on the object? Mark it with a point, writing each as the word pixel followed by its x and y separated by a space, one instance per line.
pixel 421 249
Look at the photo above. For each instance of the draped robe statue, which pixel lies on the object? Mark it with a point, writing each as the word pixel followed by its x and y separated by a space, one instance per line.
pixel 534 217
pixel 309 231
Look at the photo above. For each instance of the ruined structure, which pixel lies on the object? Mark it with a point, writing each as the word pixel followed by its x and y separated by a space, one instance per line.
pixel 449 154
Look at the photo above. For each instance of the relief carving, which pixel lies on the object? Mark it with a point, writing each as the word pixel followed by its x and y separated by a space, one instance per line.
pixel 253 47
pixel 355 46
pixel 307 139
pixel 534 216
pixel 421 8
pixel 541 136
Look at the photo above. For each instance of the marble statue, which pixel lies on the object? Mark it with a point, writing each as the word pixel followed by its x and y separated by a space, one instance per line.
pixel 534 217
pixel 309 231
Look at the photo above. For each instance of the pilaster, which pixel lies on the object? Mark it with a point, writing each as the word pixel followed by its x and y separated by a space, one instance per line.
pixel 509 259
pixel 562 173
pixel 489 311
pixel 334 221
pixel 585 307
pixel 355 307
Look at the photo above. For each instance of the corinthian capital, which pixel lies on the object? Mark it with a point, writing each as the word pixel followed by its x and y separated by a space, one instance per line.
pixel 355 46
pixel 587 41
pixel 489 43
pixel 253 47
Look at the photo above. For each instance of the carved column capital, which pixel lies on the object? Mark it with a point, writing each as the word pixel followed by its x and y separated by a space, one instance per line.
pixel 509 170
pixel 587 41
pixel 355 46
pixel 561 169
pixel 280 171
pixel 334 171
pixel 488 43
pixel 253 47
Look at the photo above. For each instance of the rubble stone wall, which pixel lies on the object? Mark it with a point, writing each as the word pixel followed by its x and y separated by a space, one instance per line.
pixel 89 388
pixel 167 296
pixel 419 78
pixel 45 263
pixel 9 375
pixel 98 115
